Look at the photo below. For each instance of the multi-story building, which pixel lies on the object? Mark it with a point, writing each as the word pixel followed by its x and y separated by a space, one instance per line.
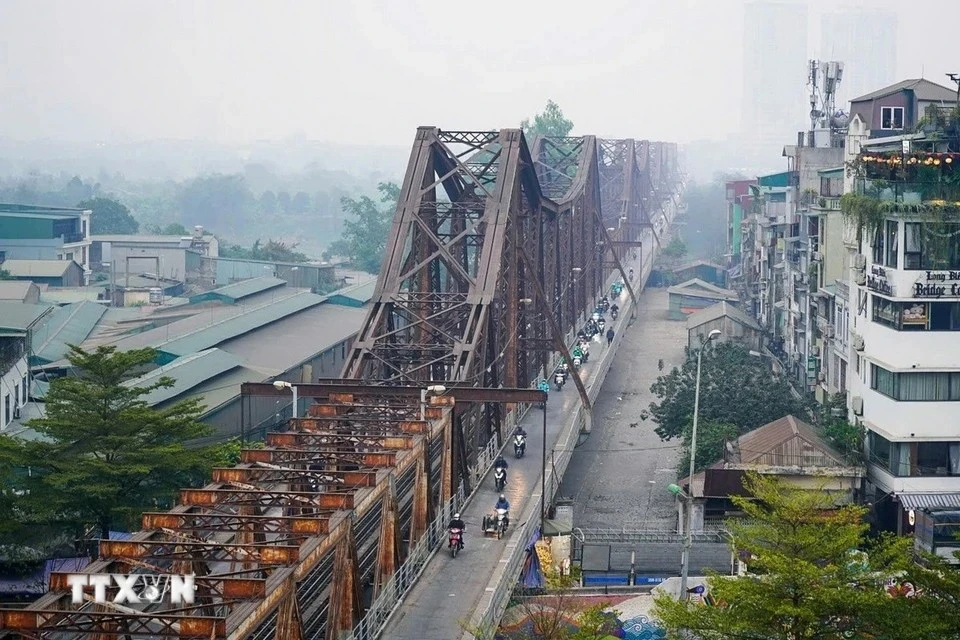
pixel 738 202
pixel 904 366
pixel 774 66
pixel 29 232
pixel 865 39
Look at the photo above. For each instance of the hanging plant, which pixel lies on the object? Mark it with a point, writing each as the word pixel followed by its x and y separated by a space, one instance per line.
pixel 863 211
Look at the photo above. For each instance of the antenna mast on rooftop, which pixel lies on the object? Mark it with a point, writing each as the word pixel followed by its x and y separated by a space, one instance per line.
pixel 823 79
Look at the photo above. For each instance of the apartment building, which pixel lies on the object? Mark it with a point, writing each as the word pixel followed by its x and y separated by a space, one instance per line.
pixel 903 145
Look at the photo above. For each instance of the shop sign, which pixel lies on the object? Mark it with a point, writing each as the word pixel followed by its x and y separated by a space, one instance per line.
pixel 938 284
pixel 877 280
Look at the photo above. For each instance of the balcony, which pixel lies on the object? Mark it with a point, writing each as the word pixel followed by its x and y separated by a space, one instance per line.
pixel 71 238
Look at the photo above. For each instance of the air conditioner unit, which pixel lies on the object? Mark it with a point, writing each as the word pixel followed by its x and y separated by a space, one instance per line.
pixel 828 331
pixel 860 262
pixel 857 404
pixel 857 342
pixel 822 376
pixel 815 256
pixel 815 350
pixel 860 278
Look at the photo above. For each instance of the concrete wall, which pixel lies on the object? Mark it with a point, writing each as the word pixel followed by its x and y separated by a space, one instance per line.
pixel 173 260
pixel 13 391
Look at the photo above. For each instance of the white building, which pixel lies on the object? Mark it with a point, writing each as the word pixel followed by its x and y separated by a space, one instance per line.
pixel 904 300
pixel 17 321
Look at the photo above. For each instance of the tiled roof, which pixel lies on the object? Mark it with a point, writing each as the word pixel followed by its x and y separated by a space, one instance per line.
pixel 718 310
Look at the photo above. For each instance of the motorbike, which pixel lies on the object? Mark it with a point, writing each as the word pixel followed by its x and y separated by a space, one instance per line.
pixel 499 478
pixel 614 313
pixel 545 387
pixel 519 445
pixel 456 541
pixel 601 324
pixel 558 379
pixel 501 525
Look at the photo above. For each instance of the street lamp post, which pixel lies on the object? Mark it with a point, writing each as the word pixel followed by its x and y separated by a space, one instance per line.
pixel 280 384
pixel 688 540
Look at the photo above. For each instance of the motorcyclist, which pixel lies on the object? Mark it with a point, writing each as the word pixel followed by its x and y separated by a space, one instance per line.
pixel 544 386
pixel 500 463
pixel 457 523
pixel 577 353
pixel 520 432
pixel 503 503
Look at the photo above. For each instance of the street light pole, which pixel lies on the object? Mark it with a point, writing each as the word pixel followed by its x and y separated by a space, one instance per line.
pixel 688 541
pixel 280 384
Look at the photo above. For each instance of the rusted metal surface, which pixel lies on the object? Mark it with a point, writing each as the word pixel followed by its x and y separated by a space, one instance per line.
pixel 497 254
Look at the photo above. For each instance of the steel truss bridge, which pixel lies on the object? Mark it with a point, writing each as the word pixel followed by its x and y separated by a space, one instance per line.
pixel 497 254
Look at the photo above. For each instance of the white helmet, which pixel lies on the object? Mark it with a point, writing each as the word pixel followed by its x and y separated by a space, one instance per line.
pixel 456 516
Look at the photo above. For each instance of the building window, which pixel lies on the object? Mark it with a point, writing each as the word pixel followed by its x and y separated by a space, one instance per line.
pixel 931 246
pixel 890 259
pixel 916 316
pixel 878 245
pixel 891 117
pixel 25 390
pixel 916 386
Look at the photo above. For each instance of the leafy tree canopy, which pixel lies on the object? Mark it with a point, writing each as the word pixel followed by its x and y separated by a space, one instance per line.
pixel 549 122
pixel 107 454
pixel 272 251
pixel 735 388
pixel 217 201
pixel 806 578
pixel 175 229
pixel 109 216
pixel 365 231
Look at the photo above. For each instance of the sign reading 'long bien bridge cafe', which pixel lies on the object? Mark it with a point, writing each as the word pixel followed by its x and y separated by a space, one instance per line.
pixel 133 588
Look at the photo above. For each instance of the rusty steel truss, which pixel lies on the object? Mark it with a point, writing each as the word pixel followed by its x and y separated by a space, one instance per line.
pixel 498 253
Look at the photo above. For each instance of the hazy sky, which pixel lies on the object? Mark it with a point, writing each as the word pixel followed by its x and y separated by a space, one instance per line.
pixel 370 72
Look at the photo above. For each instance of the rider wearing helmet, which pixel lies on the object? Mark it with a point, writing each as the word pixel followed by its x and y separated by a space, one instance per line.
pixel 457 523
pixel 503 503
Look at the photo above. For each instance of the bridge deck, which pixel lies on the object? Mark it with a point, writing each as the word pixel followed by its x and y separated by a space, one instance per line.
pixel 440 606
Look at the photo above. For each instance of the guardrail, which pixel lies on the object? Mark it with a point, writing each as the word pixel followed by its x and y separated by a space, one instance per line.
pixel 406 576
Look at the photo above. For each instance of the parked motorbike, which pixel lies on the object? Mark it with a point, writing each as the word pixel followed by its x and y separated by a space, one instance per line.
pixel 519 445
pixel 456 541
pixel 499 478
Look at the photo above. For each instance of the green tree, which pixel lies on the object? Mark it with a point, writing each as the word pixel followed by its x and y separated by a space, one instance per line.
pixel 550 122
pixel 216 201
pixel 109 216
pixel 5 275
pixel 806 580
pixel 268 202
pixel 107 454
pixel 711 439
pixel 175 229
pixel 735 389
pixel 271 251
pixel 676 249
pixel 365 231
pixel 300 202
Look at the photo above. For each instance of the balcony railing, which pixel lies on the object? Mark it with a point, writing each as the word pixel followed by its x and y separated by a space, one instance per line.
pixel 909 192
pixel 69 238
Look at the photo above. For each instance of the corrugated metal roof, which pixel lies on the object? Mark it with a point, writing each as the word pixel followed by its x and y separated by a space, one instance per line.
pixel 70 324
pixel 764 442
pixel 187 372
pixel 38 268
pixel 6 207
pixel 290 341
pixel 356 295
pixel 215 334
pixel 16 290
pixel 239 290
pixel 698 288
pixel 68 295
pixel 18 316
pixel 718 310
pixel 911 500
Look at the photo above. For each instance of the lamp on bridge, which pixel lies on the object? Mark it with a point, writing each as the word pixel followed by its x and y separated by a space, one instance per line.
pixel 676 490
pixel 279 385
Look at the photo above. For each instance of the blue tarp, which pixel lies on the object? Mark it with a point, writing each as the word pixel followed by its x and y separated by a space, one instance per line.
pixel 119 535
pixel 532 576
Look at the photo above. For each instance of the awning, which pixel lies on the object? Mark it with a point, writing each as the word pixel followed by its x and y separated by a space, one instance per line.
pixel 911 500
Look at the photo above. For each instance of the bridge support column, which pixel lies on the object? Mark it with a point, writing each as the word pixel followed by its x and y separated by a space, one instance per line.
pixel 289 622
pixel 388 546
pixel 343 612
pixel 421 502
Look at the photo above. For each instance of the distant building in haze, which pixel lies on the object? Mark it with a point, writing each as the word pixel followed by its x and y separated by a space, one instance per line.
pixel 775 105
pixel 865 40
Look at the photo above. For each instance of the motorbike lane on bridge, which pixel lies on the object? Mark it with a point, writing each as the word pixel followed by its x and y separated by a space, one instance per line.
pixel 442 603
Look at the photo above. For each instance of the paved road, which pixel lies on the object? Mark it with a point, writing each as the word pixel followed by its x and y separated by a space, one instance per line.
pixel 618 476
pixel 446 595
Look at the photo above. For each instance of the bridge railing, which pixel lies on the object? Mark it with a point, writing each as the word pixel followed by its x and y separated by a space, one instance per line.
pixel 373 622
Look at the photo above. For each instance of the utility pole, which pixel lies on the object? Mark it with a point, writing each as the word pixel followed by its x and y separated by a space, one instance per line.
pixel 955 78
